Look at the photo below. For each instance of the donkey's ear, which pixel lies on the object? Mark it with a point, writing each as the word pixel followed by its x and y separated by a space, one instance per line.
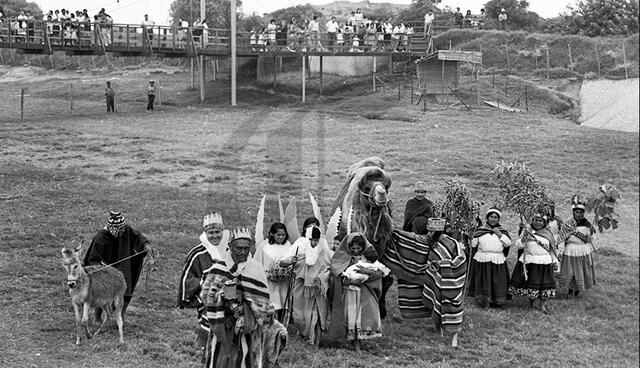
pixel 78 248
pixel 64 251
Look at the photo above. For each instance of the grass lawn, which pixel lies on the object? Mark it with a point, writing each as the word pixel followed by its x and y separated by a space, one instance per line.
pixel 59 177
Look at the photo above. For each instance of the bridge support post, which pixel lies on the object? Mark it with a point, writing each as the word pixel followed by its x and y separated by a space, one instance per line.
pixel 275 70
pixel 374 73
pixel 193 76
pixel 320 75
pixel 234 64
pixel 304 81
pixel 203 78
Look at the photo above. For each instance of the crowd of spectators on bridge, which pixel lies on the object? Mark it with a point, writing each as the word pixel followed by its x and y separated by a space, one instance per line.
pixel 357 33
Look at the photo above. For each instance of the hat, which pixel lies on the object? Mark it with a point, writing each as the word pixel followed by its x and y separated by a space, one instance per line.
pixel 502 10
pixel 115 218
pixel 212 220
pixel 240 233
pixel 495 210
pixel 420 186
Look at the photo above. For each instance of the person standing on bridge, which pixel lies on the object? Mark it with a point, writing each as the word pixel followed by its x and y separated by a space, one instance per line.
pixel 151 94
pixel 147 25
pixel 110 94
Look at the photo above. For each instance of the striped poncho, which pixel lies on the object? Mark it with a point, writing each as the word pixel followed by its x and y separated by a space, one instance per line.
pixel 424 291
pixel 235 342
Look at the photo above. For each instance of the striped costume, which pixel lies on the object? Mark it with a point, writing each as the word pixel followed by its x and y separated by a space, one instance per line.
pixel 235 338
pixel 421 288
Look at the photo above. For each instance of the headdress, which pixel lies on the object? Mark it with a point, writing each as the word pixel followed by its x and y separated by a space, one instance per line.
pixel 212 220
pixel 115 218
pixel 240 233
pixel 420 186
pixel 495 210
pixel 577 203
pixel 541 216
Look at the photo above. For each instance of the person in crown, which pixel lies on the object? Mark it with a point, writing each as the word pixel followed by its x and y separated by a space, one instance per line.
pixel 213 245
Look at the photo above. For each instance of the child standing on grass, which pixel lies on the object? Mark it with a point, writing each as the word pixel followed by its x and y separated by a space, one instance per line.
pixel 151 94
pixel 110 95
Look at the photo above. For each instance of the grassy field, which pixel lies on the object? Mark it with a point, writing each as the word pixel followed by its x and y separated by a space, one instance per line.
pixel 59 177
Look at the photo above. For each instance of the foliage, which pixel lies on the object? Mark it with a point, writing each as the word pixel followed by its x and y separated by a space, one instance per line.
pixel 518 15
pixel 12 8
pixel 253 21
pixel 417 10
pixel 603 204
pixel 218 12
pixel 603 18
pixel 381 13
pixel 521 192
pixel 460 210
pixel 300 13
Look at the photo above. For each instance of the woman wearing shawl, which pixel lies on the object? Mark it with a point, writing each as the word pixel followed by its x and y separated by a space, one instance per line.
pixel 269 254
pixel 354 308
pixel 489 281
pixel 533 275
pixel 578 271
pixel 311 258
pixel 418 210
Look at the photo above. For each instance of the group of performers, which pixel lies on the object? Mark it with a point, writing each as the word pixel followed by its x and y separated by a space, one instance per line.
pixel 245 294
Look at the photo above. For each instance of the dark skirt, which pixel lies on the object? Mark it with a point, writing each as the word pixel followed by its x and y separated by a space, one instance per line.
pixel 540 282
pixel 489 282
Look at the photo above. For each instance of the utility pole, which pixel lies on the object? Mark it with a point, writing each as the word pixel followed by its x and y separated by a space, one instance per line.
pixel 233 52
pixel 203 78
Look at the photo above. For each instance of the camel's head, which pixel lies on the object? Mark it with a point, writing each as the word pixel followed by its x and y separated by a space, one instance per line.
pixel 365 202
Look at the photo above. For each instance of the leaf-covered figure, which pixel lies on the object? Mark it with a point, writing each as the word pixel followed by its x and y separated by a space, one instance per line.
pixel 521 192
pixel 460 210
pixel 603 205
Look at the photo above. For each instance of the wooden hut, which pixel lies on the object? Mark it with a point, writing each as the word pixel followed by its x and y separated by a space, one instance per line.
pixel 438 71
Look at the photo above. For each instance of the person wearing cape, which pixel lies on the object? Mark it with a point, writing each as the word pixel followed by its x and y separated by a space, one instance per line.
pixel 533 275
pixel 311 258
pixel 354 308
pixel 122 246
pixel 577 271
pixel 489 275
pixel 213 246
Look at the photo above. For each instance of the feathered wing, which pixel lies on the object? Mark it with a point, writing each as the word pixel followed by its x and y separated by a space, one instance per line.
pixel 316 211
pixel 291 221
pixel 280 208
pixel 259 236
pixel 332 226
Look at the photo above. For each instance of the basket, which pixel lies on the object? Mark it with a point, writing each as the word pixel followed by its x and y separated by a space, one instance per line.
pixel 436 224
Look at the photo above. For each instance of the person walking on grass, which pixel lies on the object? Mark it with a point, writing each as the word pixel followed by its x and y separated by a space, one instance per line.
pixel 110 95
pixel 151 94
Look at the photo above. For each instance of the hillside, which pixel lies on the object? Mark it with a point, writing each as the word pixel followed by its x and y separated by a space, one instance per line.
pixel 342 9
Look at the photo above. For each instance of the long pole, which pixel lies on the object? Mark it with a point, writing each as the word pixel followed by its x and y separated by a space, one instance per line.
pixel 304 75
pixel 233 53
pixel 624 60
pixel 374 74
pixel 203 69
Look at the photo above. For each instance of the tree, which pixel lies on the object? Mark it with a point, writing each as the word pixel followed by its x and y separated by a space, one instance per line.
pixel 218 12
pixel 12 8
pixel 299 12
pixel 603 18
pixel 519 16
pixel 417 10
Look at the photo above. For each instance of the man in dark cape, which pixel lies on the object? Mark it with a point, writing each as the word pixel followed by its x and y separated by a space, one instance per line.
pixel 417 211
pixel 114 243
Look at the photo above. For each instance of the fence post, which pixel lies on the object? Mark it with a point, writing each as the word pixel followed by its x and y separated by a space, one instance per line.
pixel 595 45
pixel 478 88
pixel 412 91
pixel 506 84
pixel 71 97
pixel 570 58
pixel 1 57
pixel 159 93
pixel 548 63
pixel 624 60
pixel 21 103
pixel 399 93
pixel 374 73
pixel 506 51
pixel 424 98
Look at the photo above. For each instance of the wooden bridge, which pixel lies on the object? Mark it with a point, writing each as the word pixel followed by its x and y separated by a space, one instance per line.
pixel 40 37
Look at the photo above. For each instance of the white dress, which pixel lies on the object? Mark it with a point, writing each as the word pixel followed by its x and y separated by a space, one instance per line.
pixel 269 255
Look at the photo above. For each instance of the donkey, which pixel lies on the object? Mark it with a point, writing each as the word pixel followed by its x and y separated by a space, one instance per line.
pixel 93 287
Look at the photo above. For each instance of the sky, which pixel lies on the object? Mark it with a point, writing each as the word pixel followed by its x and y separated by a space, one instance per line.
pixel 132 11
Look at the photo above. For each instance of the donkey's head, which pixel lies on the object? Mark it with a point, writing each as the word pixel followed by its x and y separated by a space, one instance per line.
pixel 71 263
